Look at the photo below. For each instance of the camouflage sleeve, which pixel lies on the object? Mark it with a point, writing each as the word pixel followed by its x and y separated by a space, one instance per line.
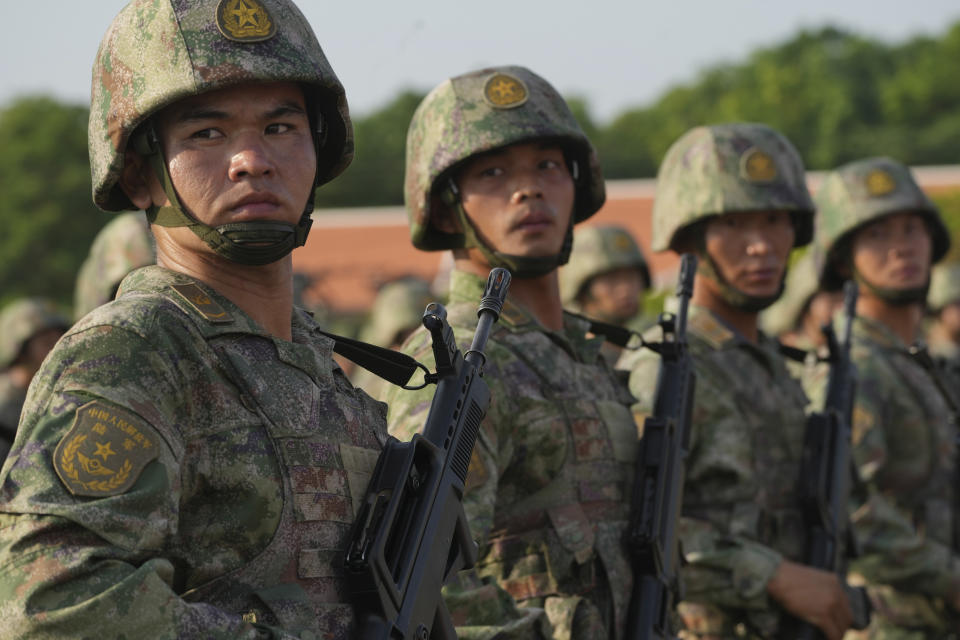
pixel 721 568
pixel 99 566
pixel 479 608
pixel 893 552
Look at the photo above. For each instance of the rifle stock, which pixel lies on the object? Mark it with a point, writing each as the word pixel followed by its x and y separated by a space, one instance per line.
pixel 658 485
pixel 411 534
pixel 826 472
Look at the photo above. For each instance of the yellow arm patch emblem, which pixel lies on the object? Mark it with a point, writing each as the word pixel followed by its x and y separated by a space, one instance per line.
pixel 104 451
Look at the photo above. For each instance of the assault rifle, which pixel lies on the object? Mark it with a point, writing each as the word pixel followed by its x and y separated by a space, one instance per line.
pixel 826 472
pixel 651 538
pixel 411 534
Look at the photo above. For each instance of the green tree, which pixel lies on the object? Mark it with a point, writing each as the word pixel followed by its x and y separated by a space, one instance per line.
pixel 48 214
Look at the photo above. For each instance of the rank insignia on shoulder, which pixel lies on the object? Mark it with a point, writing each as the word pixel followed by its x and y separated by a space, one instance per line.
pixel 104 451
pixel 244 21
pixel 199 300
pixel 757 166
pixel 880 183
pixel 504 91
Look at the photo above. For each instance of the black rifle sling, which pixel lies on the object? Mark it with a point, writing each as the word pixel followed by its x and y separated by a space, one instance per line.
pixel 394 367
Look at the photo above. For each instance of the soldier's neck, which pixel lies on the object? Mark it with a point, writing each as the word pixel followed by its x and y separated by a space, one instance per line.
pixel 264 292
pixel 903 320
pixel 540 296
pixel 744 322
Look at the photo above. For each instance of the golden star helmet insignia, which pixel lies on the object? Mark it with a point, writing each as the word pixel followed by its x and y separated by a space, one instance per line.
pixel 880 183
pixel 757 166
pixel 245 21
pixel 504 91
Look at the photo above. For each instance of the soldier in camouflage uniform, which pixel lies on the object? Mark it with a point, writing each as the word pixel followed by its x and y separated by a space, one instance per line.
pixel 499 171
pixel 943 303
pixel 735 195
pixel 879 228
pixel 123 245
pixel 605 279
pixel 28 330
pixel 190 458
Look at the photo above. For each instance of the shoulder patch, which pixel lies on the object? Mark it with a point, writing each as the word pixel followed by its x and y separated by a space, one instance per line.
pixel 514 315
pixel 104 451
pixel 199 300
pixel 711 330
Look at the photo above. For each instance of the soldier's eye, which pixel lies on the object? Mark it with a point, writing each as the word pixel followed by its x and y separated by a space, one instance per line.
pixel 206 134
pixel 278 127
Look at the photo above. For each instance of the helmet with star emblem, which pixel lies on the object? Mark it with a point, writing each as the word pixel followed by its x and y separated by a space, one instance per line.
pixel 860 192
pixel 599 250
pixel 478 112
pixel 21 320
pixel 124 244
pixel 729 168
pixel 157 52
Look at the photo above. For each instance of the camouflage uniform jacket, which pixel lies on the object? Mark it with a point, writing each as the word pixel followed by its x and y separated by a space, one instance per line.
pixel 740 512
pixel 244 457
pixel 903 434
pixel 11 403
pixel 547 492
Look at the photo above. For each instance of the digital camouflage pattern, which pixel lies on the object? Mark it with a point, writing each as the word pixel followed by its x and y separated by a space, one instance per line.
pixel 861 192
pixel 124 244
pixel 157 52
pixel 599 250
pixel 12 397
pixel 903 445
pixel 728 168
pixel 481 111
pixel 22 319
pixel 740 513
pixel 245 457
pixel 549 481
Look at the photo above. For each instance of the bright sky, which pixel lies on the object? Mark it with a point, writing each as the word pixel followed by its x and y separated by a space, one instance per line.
pixel 616 53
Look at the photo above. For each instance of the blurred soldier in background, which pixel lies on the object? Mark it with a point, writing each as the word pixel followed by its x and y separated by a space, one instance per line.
pixel 28 330
pixel 735 194
pixel 797 317
pixel 943 303
pixel 499 171
pixel 396 312
pixel 877 227
pixel 605 279
pixel 190 457
pixel 123 245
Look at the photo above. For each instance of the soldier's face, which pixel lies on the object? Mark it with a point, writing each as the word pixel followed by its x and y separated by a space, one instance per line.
pixel 614 294
pixel 519 198
pixel 751 249
pixel 238 154
pixel 894 252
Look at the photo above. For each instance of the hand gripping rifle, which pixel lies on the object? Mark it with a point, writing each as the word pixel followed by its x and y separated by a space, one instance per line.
pixel 411 534
pixel 826 472
pixel 658 486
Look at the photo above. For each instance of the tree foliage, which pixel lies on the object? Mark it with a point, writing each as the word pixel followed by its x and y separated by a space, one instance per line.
pixel 48 216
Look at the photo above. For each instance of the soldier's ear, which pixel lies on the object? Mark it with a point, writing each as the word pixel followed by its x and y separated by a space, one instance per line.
pixel 441 216
pixel 135 180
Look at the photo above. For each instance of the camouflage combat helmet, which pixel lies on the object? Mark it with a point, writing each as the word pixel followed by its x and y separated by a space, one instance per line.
pixel 860 192
pixel 729 168
pixel 123 245
pixel 398 308
pixel 157 52
pixel 478 112
pixel 599 250
pixel 944 286
pixel 21 320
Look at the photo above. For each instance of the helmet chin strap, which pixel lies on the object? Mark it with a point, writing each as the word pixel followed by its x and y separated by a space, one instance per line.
pixel 254 243
pixel 890 295
pixel 519 266
pixel 731 295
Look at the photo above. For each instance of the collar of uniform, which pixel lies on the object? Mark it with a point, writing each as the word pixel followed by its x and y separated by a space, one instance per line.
pixel 468 288
pixel 873 331
pixel 710 328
